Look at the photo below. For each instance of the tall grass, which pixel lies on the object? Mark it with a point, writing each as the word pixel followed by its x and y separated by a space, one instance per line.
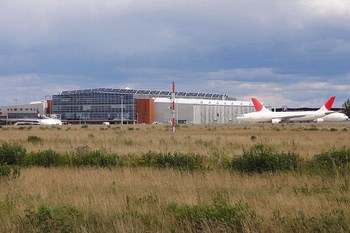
pixel 162 200
pixel 84 179
pixel 228 140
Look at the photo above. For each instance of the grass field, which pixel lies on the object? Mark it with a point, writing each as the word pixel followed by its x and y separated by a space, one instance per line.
pixel 305 139
pixel 146 199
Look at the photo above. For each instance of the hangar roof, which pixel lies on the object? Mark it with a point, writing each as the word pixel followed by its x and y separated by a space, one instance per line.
pixel 151 93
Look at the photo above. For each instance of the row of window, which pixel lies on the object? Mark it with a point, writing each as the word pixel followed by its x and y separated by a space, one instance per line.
pixel 94 106
pixel 22 109
pixel 98 116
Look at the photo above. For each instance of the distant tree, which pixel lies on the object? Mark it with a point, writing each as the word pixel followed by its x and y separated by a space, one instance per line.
pixel 346 106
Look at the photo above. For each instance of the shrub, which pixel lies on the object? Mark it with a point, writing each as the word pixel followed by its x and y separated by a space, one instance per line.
pixel 219 215
pixel 55 219
pixel 261 158
pixel 34 139
pixel 334 157
pixel 10 171
pixel 253 138
pixel 12 154
pixel 46 158
pixel 336 221
pixel 96 159
pixel 333 160
pixel 168 160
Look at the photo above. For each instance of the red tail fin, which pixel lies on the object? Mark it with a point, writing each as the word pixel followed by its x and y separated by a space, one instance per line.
pixel 329 102
pixel 257 105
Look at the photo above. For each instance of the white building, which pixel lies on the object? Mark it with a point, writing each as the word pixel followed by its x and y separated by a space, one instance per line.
pixel 201 111
pixel 24 111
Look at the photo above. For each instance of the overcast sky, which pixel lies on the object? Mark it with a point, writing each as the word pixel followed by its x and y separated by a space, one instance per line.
pixel 285 52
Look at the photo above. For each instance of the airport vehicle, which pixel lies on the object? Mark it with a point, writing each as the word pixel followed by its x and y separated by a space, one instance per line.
pixel 263 114
pixel 333 117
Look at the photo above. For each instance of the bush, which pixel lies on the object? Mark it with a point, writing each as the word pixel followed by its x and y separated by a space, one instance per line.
pixel 96 159
pixel 46 158
pixel 10 171
pixel 168 160
pixel 34 139
pixel 334 157
pixel 261 158
pixel 219 215
pixel 12 154
pixel 336 221
pixel 333 160
pixel 55 219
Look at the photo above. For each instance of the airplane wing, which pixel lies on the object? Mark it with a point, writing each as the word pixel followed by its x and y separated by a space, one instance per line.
pixel 327 113
pixel 286 118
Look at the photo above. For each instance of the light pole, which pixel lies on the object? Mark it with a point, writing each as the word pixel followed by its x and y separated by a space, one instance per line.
pixel 121 109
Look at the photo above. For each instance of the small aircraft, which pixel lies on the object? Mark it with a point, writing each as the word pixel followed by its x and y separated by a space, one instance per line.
pixel 263 114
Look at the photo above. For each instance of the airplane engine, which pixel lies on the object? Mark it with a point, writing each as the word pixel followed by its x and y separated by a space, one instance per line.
pixel 275 121
pixel 318 120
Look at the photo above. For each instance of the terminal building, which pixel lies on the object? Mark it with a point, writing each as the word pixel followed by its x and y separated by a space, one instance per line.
pixel 130 106
pixel 25 111
pixel 127 106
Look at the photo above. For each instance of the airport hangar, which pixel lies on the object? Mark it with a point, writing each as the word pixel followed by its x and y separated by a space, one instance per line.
pixel 130 106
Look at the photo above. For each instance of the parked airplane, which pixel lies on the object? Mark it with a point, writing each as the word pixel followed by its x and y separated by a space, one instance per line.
pixel 333 117
pixel 263 114
pixel 41 120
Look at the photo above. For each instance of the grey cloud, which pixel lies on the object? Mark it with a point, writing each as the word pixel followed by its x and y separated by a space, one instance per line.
pixel 216 46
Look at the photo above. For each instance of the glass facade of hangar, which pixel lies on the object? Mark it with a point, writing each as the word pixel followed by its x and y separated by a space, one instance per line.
pixel 94 106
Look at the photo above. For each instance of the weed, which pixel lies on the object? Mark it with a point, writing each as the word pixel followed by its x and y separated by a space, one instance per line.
pixel 336 221
pixel 49 218
pixel 219 215
pixel 13 171
pixel 168 160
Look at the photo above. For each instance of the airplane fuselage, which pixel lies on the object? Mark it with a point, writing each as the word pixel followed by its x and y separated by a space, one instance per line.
pixel 333 117
pixel 277 117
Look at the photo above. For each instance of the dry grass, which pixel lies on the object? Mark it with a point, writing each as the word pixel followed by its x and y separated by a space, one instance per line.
pixel 137 200
pixel 228 140
pixel 104 192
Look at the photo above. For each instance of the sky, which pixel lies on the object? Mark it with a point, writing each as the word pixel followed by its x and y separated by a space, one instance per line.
pixel 284 52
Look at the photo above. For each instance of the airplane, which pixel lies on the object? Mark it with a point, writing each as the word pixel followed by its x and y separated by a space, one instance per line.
pixel 263 114
pixel 41 120
pixel 333 117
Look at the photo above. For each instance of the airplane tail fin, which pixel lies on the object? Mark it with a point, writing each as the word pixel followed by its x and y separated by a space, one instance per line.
pixel 328 105
pixel 39 115
pixel 259 107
